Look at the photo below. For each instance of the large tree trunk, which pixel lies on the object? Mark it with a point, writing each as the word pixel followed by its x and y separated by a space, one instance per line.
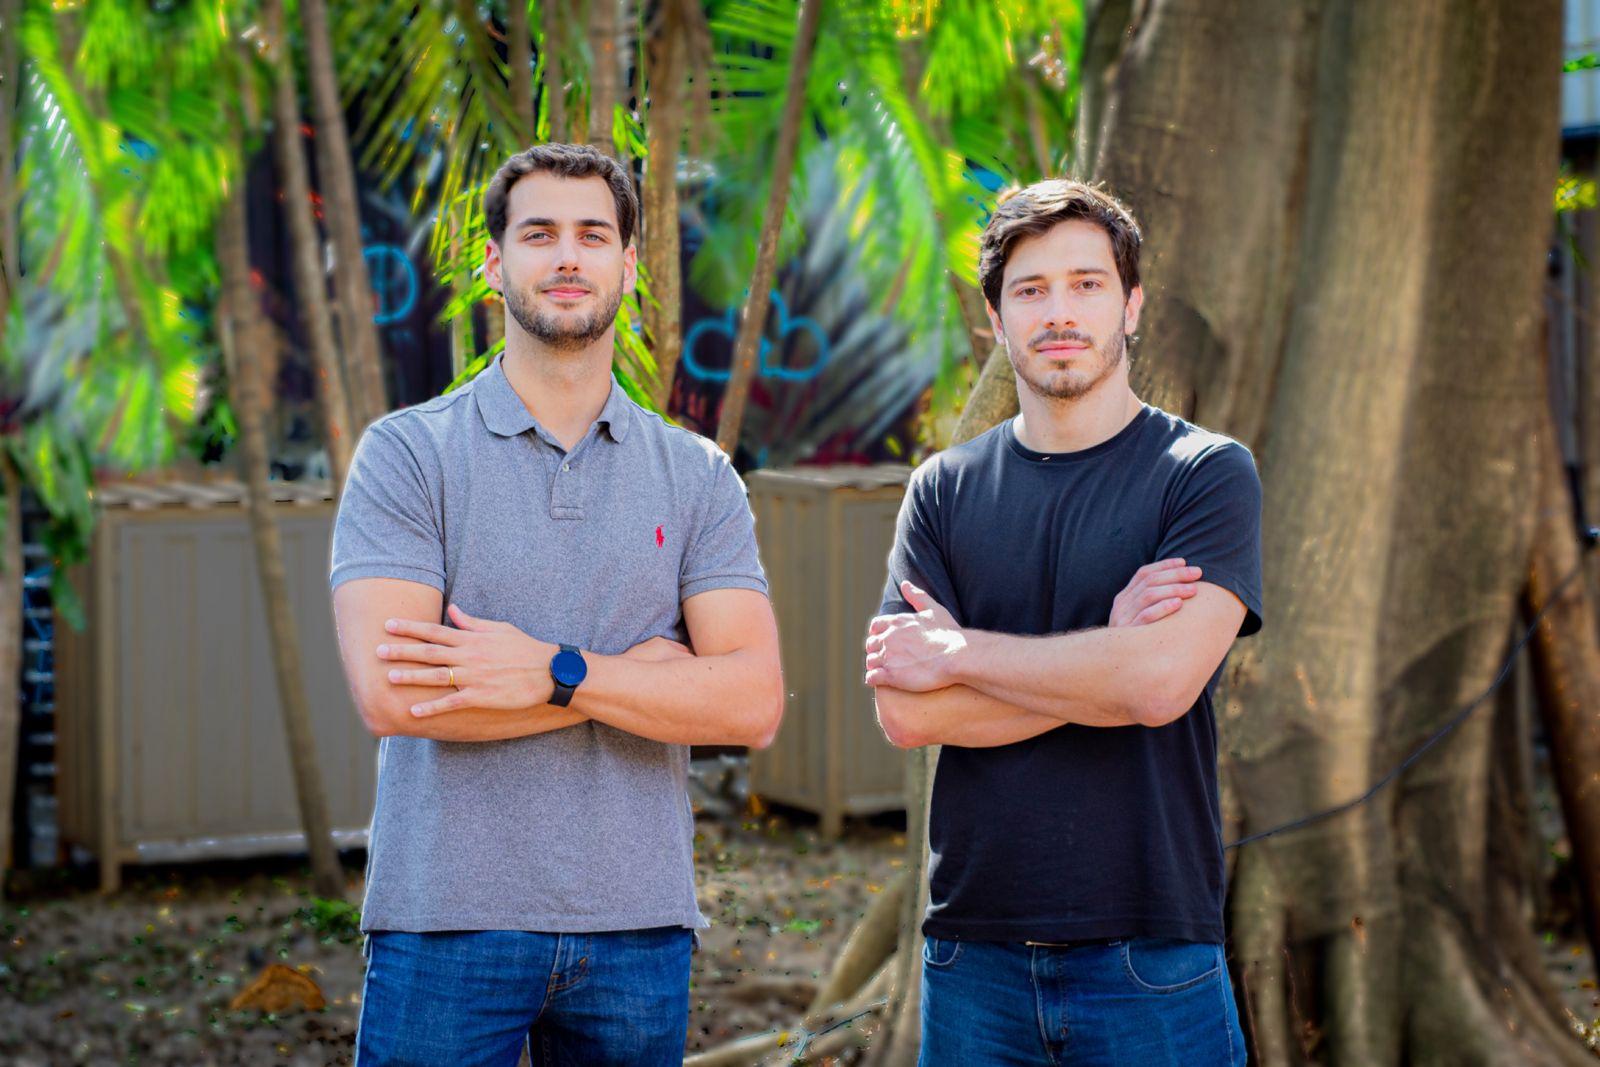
pixel 11 635
pixel 241 339
pixel 306 249
pixel 747 345
pixel 342 210
pixel 1314 286
pixel 663 317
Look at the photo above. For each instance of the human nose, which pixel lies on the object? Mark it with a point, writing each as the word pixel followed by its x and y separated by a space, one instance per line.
pixel 1059 314
pixel 567 254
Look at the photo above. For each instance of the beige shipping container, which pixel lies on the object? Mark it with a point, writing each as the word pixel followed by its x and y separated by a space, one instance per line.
pixel 170 740
pixel 825 535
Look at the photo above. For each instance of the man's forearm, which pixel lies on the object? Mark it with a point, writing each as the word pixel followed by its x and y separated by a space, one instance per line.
pixel 472 724
pixel 1101 677
pixel 734 698
pixel 957 715
pixel 488 724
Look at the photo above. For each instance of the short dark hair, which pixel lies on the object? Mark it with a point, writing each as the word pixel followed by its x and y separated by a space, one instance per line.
pixel 1033 210
pixel 566 161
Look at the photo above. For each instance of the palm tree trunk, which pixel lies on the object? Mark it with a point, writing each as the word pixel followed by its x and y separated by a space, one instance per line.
pixel 605 76
pixel 240 337
pixel 519 53
pixel 10 647
pixel 10 69
pixel 664 317
pixel 306 250
pixel 748 343
pixel 342 210
pixel 553 17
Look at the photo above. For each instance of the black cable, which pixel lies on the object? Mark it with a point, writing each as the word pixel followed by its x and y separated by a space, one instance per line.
pixel 1590 536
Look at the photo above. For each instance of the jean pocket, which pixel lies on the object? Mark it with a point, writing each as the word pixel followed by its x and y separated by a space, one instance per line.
pixel 1161 965
pixel 937 952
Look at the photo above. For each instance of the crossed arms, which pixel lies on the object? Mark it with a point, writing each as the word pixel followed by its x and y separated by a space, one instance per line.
pixel 937 683
pixel 728 690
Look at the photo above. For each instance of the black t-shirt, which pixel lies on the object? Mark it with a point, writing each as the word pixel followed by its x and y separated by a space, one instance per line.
pixel 1082 832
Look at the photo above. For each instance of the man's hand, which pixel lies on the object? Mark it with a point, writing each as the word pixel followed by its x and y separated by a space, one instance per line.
pixel 1156 591
pixel 913 651
pixel 495 665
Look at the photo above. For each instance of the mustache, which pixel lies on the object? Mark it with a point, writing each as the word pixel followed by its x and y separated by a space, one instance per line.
pixel 568 282
pixel 1073 336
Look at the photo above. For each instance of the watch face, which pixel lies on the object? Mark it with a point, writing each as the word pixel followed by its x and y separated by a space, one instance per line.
pixel 568 668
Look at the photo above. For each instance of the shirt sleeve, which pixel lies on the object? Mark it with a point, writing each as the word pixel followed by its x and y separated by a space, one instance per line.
pixel 723 553
pixel 918 553
pixel 1215 524
pixel 387 526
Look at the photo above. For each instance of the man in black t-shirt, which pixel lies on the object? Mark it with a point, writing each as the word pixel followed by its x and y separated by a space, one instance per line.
pixel 1076 880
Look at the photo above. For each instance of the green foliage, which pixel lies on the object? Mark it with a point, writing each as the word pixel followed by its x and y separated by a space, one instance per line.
pixel 332 920
pixel 119 173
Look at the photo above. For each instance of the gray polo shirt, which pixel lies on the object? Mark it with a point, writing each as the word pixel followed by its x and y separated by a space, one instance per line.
pixel 581 829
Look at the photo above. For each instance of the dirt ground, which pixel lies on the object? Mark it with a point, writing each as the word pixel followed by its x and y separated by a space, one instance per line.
pixel 146 976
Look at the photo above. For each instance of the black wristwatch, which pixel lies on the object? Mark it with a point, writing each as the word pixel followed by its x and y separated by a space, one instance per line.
pixel 568 670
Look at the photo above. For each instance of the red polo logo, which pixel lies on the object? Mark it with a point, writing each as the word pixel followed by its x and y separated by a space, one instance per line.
pixel 661 538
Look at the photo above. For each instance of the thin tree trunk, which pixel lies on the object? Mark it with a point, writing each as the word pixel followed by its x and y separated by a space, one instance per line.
pixel 519 53
pixel 240 340
pixel 11 636
pixel 605 73
pixel 342 211
pixel 664 316
pixel 553 67
pixel 306 250
pixel 747 345
pixel 10 97
pixel 1566 655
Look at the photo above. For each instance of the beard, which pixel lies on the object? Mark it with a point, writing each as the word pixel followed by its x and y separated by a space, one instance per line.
pixel 565 332
pixel 1071 383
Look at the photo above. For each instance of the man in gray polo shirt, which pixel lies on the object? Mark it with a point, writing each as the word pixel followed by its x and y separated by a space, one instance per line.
pixel 517 567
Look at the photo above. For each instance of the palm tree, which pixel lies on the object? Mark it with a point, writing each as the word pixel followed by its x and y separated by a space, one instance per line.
pixel 336 169
pixel 306 247
pixel 239 328
pixel 753 321
pixel 99 252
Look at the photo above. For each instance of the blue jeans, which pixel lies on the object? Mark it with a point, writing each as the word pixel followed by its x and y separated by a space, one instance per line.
pixel 1142 1001
pixel 475 998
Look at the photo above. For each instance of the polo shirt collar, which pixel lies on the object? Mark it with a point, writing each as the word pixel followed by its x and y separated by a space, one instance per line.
pixel 505 414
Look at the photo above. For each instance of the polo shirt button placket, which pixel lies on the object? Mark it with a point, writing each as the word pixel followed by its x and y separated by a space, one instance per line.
pixel 566 497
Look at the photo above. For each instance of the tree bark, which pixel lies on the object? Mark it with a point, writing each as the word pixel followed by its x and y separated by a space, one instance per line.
pixel 241 337
pixel 11 649
pixel 519 54
pixel 1566 655
pixel 747 344
pixel 553 67
pixel 1310 278
pixel 342 211
pixel 605 72
pixel 663 317
pixel 306 250
pixel 10 96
